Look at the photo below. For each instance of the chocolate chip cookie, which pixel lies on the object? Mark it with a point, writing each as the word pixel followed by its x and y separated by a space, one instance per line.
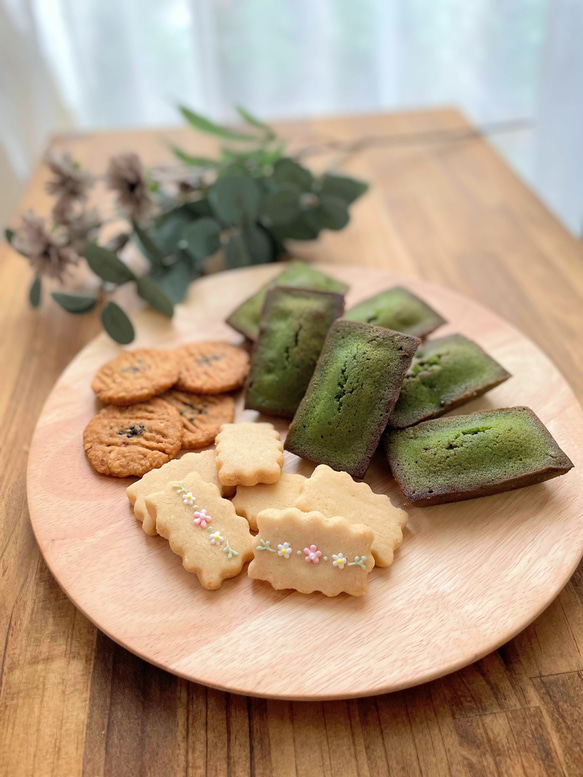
pixel 136 376
pixel 123 441
pixel 211 367
pixel 202 415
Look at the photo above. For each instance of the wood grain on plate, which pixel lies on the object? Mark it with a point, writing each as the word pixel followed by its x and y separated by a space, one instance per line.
pixel 468 577
pixel 72 702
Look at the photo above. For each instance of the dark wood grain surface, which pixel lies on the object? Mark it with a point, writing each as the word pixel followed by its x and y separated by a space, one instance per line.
pixel 74 703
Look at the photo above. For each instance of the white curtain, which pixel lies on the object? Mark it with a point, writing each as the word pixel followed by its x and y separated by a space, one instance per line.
pixel 127 62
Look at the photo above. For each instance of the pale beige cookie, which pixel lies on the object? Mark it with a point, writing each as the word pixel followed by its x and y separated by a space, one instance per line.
pixel 202 528
pixel 251 500
pixel 309 552
pixel 248 454
pixel 203 463
pixel 336 493
pixel 135 376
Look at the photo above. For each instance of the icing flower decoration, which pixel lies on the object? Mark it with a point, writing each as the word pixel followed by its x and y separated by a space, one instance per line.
pixel 202 518
pixel 312 554
pixel 216 538
pixel 188 498
pixel 338 560
pixel 284 550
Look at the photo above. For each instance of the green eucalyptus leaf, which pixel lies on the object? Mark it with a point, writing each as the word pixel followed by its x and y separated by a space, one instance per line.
pixel 287 170
pixel 117 324
pixel 193 161
pixel 304 227
pixel 235 199
pixel 258 245
pixel 281 207
pixel 174 282
pixel 107 264
pixel 206 125
pixel 203 237
pixel 343 187
pixel 170 226
pixel 331 213
pixel 153 294
pixel 9 235
pixel 236 252
pixel 75 303
pixel 149 248
pixel 34 293
pixel 200 208
pixel 254 122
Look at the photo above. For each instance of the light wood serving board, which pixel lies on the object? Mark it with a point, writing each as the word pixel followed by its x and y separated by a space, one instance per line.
pixel 468 577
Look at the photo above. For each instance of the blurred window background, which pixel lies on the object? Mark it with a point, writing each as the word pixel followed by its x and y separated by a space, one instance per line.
pixel 125 63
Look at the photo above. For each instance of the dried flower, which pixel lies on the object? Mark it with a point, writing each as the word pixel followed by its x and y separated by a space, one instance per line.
pixel 70 183
pixel 82 227
pixel 125 175
pixel 47 253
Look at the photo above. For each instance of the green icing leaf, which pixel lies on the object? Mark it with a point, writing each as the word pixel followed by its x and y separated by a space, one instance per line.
pixel 117 324
pixel 107 264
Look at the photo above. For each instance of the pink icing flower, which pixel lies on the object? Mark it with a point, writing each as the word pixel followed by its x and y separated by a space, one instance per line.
pixel 312 554
pixel 202 518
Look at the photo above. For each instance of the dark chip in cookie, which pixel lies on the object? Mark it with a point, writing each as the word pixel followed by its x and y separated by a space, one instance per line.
pixel 202 415
pixel 211 367
pixel 135 376
pixel 124 441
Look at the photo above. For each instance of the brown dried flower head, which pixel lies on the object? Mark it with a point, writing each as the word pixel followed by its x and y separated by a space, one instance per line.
pixel 82 227
pixel 47 253
pixel 70 183
pixel 125 176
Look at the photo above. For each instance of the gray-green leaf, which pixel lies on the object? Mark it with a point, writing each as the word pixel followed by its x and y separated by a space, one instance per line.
pixel 203 237
pixel 107 264
pixel 205 125
pixel 193 161
pixel 75 303
pixel 347 189
pixel 255 122
pixel 174 283
pixel 9 235
pixel 258 245
pixel 153 294
pixel 149 248
pixel 281 207
pixel 235 199
pixel 117 324
pixel 332 212
pixel 35 292
pixel 236 253
pixel 287 171
pixel 304 227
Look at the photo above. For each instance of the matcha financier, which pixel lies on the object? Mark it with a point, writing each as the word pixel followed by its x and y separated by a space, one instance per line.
pixel 464 456
pixel 445 373
pixel 351 395
pixel 398 309
pixel 294 324
pixel 245 318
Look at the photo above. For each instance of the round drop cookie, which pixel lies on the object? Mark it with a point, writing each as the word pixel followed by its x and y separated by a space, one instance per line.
pixel 135 376
pixel 202 416
pixel 211 367
pixel 123 441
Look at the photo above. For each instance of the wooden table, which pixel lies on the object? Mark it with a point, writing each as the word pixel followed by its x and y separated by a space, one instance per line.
pixel 74 703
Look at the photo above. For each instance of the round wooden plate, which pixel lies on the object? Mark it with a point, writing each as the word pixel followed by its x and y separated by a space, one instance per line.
pixel 468 577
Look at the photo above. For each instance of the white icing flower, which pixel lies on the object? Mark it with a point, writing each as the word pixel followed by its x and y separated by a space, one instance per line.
pixel 188 498
pixel 216 538
pixel 338 560
pixel 284 550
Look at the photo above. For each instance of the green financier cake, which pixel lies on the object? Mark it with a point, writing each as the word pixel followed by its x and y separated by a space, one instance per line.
pixel 449 459
pixel 397 309
pixel 444 374
pixel 351 395
pixel 245 318
pixel 293 326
